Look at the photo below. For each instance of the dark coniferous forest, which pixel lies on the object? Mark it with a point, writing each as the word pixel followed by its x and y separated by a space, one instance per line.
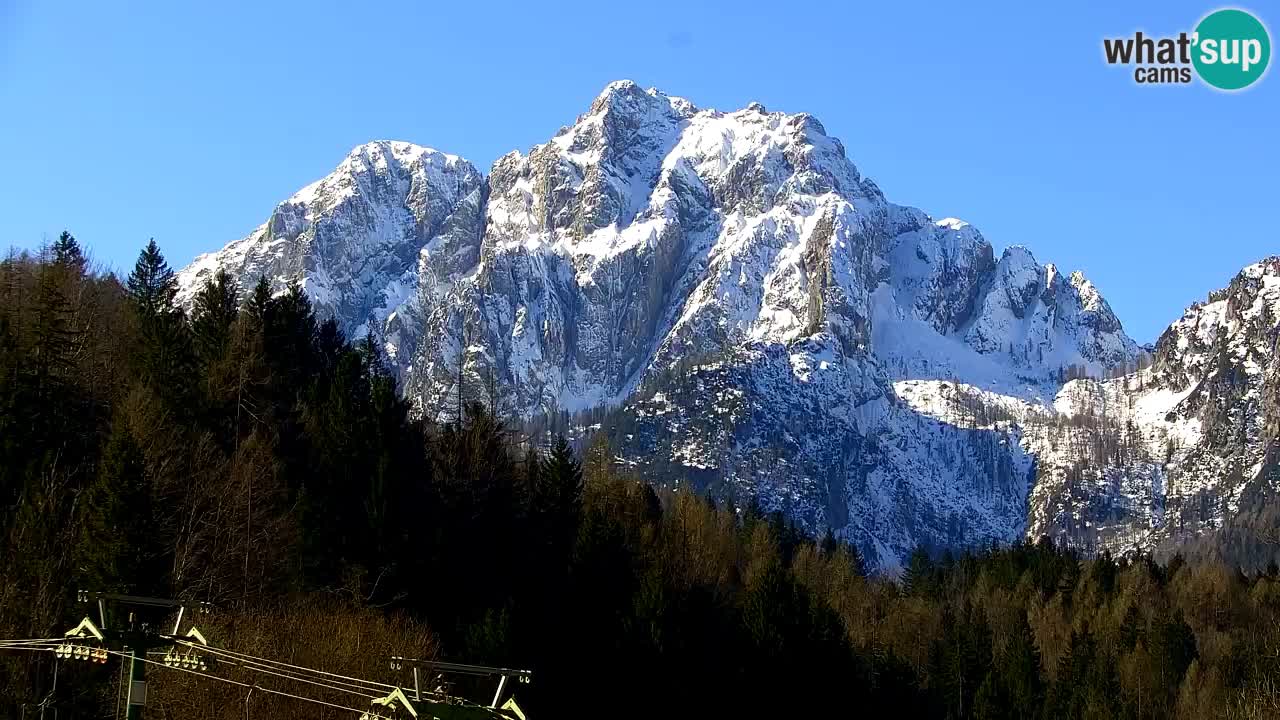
pixel 248 455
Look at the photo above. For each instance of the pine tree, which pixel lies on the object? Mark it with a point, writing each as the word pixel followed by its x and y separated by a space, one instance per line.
pixel 14 418
pixel 562 475
pixel 119 547
pixel 52 337
pixel 290 335
pixel 260 301
pixel 1173 648
pixel 152 284
pixel 651 506
pixel 214 311
pixel 330 344
pixel 1086 685
pixel 917 576
pixel 165 359
pixel 67 253
pixel 1067 696
pixel 532 476
pixel 388 449
pixel 960 658
pixel 558 497
pixel 1018 674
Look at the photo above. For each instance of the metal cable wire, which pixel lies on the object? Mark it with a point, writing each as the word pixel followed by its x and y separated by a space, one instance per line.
pixel 249 662
pixel 241 684
pixel 334 685
pixel 268 662
pixel 41 641
pixel 33 648
pixel 364 688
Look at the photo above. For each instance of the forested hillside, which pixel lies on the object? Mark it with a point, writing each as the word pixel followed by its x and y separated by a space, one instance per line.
pixel 248 455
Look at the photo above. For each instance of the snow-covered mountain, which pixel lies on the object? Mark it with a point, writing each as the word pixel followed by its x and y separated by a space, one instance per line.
pixel 1194 428
pixel 393 223
pixel 759 318
pixel 1163 453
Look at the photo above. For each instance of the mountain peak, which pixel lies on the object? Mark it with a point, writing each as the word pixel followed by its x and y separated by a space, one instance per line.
pixel 1268 266
pixel 622 95
pixel 623 86
pixel 399 151
pixel 624 101
pixel 356 239
pixel 376 157
pixel 397 148
pixel 1018 256
pixel 951 223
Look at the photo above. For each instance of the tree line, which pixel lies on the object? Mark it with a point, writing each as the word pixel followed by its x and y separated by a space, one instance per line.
pixel 246 454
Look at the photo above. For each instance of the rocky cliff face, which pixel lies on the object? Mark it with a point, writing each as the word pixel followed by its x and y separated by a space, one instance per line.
pixel 760 319
pixel 1187 436
pixel 1160 454
pixel 394 223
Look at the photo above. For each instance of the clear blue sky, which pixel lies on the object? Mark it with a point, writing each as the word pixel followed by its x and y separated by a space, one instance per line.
pixel 190 121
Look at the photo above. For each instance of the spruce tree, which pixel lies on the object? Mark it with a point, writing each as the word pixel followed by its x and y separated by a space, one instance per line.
pixel 290 339
pixel 329 345
pixel 561 478
pixel 558 497
pixel 13 425
pixel 213 313
pixel 52 336
pixel 917 576
pixel 1086 685
pixel 532 467
pixel 260 301
pixel 1020 670
pixel 165 358
pixel 651 504
pixel 119 546
pixel 1173 648
pixel 152 284
pixel 1014 688
pixel 67 253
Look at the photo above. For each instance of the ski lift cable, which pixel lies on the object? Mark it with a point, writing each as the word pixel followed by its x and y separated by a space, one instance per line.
pixel 335 685
pixel 48 644
pixel 35 647
pixel 34 641
pixel 241 684
pixel 247 661
pixel 293 671
pixel 279 663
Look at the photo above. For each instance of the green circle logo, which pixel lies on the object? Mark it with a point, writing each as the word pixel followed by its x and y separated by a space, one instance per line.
pixel 1232 49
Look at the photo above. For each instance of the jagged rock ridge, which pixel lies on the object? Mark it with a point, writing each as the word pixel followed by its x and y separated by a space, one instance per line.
pixel 393 223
